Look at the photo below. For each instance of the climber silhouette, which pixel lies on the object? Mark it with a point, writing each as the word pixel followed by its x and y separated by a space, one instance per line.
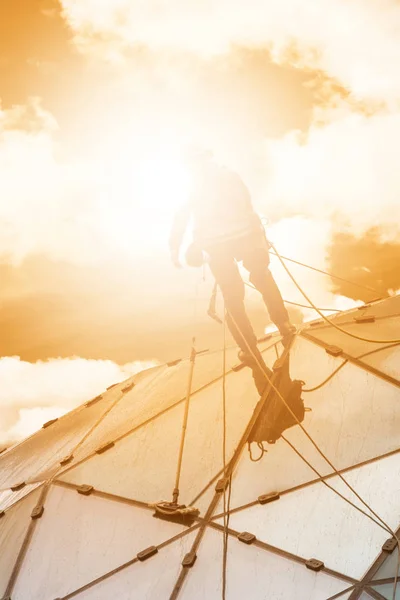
pixel 228 230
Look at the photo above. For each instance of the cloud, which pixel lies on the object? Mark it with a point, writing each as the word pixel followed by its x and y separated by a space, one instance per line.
pixel 109 201
pixel 355 42
pixel 33 393
pixel 46 204
pixel 345 170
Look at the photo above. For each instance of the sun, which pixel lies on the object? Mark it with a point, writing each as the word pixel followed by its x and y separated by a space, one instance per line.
pixel 143 194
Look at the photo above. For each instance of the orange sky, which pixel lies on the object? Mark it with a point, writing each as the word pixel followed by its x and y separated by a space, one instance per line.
pixel 97 96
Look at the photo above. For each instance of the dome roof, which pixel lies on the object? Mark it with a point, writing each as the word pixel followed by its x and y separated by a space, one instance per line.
pixel 78 498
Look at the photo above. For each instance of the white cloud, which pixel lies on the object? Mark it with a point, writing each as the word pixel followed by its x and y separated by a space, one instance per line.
pixel 33 393
pixel 345 171
pixel 356 42
pixel 46 205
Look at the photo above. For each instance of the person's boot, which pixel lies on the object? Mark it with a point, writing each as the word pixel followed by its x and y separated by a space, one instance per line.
pixel 287 331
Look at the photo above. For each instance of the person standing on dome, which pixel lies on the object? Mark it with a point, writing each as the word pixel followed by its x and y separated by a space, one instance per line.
pixel 227 228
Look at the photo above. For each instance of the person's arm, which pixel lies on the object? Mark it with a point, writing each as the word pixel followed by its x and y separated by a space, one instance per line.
pixel 178 229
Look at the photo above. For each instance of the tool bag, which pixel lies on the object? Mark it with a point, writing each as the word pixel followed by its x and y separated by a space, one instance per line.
pixel 275 418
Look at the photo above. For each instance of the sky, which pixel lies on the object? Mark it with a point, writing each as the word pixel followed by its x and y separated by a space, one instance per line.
pixel 98 98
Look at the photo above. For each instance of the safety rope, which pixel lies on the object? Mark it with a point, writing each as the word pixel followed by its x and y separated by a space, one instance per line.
pixel 318 387
pixel 374 351
pixel 350 487
pixel 357 337
pixel 262 452
pixel 175 493
pixel 382 523
pixel 364 287
pixel 322 478
pixel 227 502
pixel 253 287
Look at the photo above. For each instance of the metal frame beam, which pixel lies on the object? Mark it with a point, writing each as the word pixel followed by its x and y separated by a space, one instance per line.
pixel 354 360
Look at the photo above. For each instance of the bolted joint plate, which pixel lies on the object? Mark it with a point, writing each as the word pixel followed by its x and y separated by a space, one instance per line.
pixel 246 537
pixel 105 447
pixel 48 423
pixel 18 486
pixel 173 363
pixel 316 323
pixel 93 401
pixel 148 553
pixel 334 350
pixel 85 490
pixel 37 512
pixel 221 486
pixel 189 559
pixel 267 498
pixel 66 460
pixel 389 545
pixel 365 319
pixel 315 565
pixel 128 388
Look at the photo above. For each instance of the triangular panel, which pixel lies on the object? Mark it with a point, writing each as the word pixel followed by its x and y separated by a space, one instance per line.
pixel 381 309
pixel 389 567
pixel 355 418
pixel 13 528
pixel 386 590
pixel 254 573
pixel 141 466
pixel 150 580
pixel 315 522
pixel 38 457
pixel 378 355
pixel 9 498
pixel 150 454
pixel 150 398
pixel 82 538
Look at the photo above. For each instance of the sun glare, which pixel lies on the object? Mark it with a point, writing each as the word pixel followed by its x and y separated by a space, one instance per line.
pixel 143 195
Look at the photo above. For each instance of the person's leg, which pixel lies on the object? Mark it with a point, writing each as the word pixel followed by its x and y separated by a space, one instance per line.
pixel 226 273
pixel 256 261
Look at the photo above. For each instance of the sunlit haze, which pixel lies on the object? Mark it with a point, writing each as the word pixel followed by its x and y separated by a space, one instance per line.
pixel 99 101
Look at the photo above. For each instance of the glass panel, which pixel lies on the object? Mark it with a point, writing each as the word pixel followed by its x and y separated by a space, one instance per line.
pixel 150 580
pixel 388 306
pixel 13 527
pixel 84 537
pixel 365 596
pixel 253 573
pixel 149 399
pixel 386 590
pixel 315 522
pixel 385 308
pixel 387 361
pixel 150 455
pixel 9 498
pixel 385 329
pixel 389 567
pixel 141 466
pixel 42 452
pixel 354 418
